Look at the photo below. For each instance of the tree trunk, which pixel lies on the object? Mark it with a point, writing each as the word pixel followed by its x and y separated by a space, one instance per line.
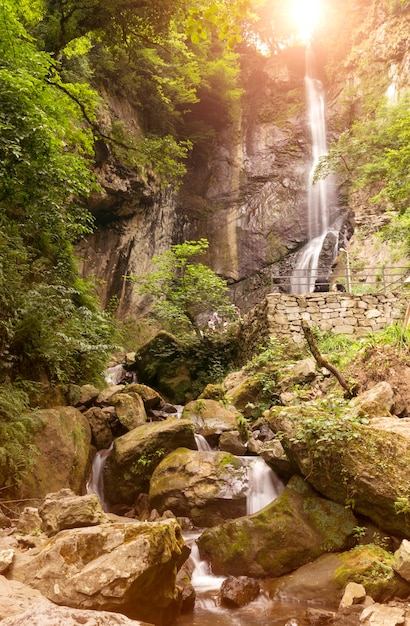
pixel 350 388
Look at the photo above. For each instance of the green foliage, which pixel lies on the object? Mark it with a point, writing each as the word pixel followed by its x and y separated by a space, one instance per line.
pixel 394 335
pixel 402 505
pixel 375 155
pixel 276 352
pixel 50 325
pixel 243 427
pixel 225 19
pixel 183 289
pixel 17 426
pixel 327 423
pixel 159 156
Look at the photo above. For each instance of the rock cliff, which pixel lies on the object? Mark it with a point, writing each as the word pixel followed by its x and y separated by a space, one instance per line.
pixel 249 198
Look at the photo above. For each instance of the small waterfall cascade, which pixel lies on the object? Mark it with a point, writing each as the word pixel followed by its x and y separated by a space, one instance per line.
pixel 95 482
pixel 264 486
pixel 201 443
pixel 115 374
pixel 319 194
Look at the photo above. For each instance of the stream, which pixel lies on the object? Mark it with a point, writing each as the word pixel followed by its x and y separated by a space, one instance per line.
pixel 264 487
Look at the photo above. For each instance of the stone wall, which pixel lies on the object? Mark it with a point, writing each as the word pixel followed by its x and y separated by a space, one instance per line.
pixel 343 313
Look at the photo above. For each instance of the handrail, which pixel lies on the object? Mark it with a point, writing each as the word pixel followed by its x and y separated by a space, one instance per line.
pixel 365 280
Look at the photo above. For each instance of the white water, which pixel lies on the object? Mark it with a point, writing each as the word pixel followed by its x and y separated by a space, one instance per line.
pixel 115 374
pixel 264 486
pixel 95 482
pixel 201 443
pixel 319 193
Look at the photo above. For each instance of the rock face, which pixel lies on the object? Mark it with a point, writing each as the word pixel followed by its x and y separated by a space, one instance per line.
pixel 135 455
pixel 296 528
pixel 248 198
pixel 253 188
pixel 208 487
pixel 127 567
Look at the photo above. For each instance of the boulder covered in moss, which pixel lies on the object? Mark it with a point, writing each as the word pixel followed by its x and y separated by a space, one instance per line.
pixel 161 364
pixel 135 455
pixel 207 487
pixel 351 460
pixel 325 579
pixel 244 390
pixel 63 441
pixel 129 408
pixel 127 567
pixel 294 529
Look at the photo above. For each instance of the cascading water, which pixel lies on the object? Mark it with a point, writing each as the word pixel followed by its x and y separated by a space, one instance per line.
pixel 319 194
pixel 264 486
pixel 95 482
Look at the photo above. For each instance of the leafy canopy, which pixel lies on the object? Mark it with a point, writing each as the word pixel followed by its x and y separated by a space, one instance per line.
pixel 44 165
pixel 183 289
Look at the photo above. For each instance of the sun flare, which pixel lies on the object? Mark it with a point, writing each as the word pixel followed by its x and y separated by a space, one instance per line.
pixel 305 15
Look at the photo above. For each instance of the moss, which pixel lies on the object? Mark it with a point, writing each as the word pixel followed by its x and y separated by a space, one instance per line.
pixel 229 459
pixel 371 566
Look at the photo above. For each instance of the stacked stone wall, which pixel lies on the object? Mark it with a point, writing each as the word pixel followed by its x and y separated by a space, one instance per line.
pixel 342 313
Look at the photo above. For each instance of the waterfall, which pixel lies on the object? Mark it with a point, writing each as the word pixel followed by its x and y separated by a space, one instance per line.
pixel 319 194
pixel 264 486
pixel 95 482
pixel 201 443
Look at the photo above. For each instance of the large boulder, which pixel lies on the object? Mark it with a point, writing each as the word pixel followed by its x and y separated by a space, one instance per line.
pixel 126 567
pixel 135 455
pixel 129 408
pixel 150 397
pixel 16 597
pixel 160 363
pixel 63 442
pixel 378 401
pixel 21 605
pixel 67 510
pixel 208 487
pixel 294 529
pixel 326 578
pixel 47 613
pixel 99 421
pixel 238 591
pixel 364 465
pixel 244 391
pixel 210 417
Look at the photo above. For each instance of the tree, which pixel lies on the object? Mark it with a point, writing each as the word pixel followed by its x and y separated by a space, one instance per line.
pixel 183 289
pixel 50 323
pixel 374 154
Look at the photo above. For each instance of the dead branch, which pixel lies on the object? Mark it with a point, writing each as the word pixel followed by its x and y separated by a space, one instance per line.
pixel 351 389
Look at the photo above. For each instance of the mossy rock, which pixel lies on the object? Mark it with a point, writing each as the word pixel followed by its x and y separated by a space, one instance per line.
pixel 135 455
pixel 372 567
pixel 350 462
pixel 296 528
pixel 208 487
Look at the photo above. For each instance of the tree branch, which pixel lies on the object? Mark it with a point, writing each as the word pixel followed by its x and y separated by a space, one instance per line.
pixel 350 388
